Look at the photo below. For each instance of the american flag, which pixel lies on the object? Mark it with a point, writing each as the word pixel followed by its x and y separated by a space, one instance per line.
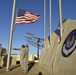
pixel 25 17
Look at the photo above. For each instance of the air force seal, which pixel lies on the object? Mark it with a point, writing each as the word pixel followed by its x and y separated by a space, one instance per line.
pixel 69 44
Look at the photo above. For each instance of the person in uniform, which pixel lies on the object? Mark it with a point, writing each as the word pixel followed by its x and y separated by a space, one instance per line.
pixel 0 53
pixel 23 57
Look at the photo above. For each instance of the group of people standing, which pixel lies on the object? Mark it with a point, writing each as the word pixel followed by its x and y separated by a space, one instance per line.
pixel 23 57
pixel 24 50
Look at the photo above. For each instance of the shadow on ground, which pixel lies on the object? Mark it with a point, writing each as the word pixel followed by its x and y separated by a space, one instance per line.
pixel 30 65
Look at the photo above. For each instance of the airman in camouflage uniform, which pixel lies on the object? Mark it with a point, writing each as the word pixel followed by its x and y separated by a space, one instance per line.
pixel 23 57
pixel 0 53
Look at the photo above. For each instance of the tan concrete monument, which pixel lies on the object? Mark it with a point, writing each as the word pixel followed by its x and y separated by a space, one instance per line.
pixel 59 57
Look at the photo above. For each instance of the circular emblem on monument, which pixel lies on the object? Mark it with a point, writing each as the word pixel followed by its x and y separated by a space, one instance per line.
pixel 69 44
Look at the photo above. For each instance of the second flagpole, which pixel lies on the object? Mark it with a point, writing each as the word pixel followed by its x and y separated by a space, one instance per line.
pixel 50 8
pixel 44 21
pixel 60 10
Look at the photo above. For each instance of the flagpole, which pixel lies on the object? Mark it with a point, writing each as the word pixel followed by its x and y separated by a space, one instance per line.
pixel 60 9
pixel 44 21
pixel 50 5
pixel 10 38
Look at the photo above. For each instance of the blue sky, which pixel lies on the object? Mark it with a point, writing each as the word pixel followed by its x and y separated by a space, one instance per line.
pixel 37 28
